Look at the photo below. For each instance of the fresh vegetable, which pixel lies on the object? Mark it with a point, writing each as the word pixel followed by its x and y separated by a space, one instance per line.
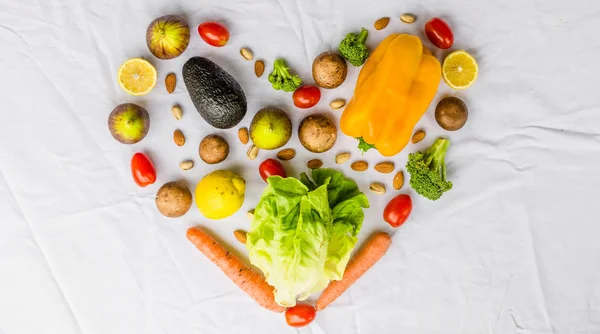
pixel 137 76
pixel 460 70
pixel 300 315
pixel 173 199
pixel 251 282
pixel 396 212
pixel 220 194
pixel 142 170
pixel 128 123
pixel 391 95
pixel 304 230
pixel 329 70
pixel 317 133
pixel 371 252
pixel 213 33
pixel 306 96
pixel 213 149
pixel 439 33
pixel 168 36
pixel 451 113
pixel 271 167
pixel 217 96
pixel 270 128
pixel 282 79
pixel 428 170
pixel 353 47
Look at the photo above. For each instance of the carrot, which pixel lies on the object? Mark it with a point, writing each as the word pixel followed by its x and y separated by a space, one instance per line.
pixel 251 282
pixel 365 258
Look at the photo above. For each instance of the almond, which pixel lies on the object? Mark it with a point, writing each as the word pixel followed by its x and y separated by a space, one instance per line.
pixel 246 53
pixel 337 104
pixel 240 236
pixel 398 180
pixel 377 188
pixel 250 214
pixel 314 164
pixel 259 68
pixel 418 136
pixel 252 152
pixel 186 165
pixel 408 18
pixel 381 23
pixel 286 154
pixel 178 138
pixel 243 135
pixel 360 166
pixel 170 82
pixel 177 112
pixel 385 167
pixel 342 157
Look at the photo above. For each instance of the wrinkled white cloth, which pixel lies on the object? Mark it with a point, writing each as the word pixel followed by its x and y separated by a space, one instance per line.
pixel 513 248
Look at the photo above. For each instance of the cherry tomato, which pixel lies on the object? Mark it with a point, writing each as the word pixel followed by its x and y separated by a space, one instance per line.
pixel 142 170
pixel 213 33
pixel 439 33
pixel 397 210
pixel 300 315
pixel 271 167
pixel 306 96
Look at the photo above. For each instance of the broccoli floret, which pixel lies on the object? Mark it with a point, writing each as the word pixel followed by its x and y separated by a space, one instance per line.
pixel 281 79
pixel 428 170
pixel 353 47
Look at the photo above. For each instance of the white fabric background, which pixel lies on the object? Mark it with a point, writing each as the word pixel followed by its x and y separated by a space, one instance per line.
pixel 513 248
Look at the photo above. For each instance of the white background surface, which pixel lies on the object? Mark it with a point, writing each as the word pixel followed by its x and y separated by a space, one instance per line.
pixel 513 248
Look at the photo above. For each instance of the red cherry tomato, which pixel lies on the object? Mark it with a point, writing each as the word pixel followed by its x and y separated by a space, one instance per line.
pixel 397 210
pixel 300 315
pixel 439 33
pixel 142 170
pixel 271 167
pixel 306 96
pixel 213 33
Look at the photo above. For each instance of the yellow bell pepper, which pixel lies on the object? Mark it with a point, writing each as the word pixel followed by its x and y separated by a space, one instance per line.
pixel 393 90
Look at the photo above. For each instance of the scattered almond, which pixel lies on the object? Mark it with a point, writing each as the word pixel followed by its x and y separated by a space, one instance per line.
pixel 360 166
pixel 170 82
pixel 259 68
pixel 398 180
pixel 177 112
pixel 381 23
pixel 246 53
pixel 286 154
pixel 337 104
pixel 250 214
pixel 342 157
pixel 240 236
pixel 314 164
pixel 377 188
pixel 178 138
pixel 385 167
pixel 243 135
pixel 186 165
pixel 408 18
pixel 252 152
pixel 418 136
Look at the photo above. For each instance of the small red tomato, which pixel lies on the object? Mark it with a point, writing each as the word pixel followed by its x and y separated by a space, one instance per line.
pixel 300 315
pixel 142 170
pixel 439 33
pixel 397 210
pixel 271 167
pixel 213 33
pixel 306 96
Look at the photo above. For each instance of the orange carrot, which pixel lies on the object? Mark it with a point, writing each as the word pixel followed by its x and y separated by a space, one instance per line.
pixel 242 275
pixel 365 258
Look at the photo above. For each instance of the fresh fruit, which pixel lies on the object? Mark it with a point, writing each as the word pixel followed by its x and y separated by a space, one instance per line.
pixel 300 315
pixel 381 23
pixel 173 199
pixel 220 194
pixel 396 212
pixel 168 36
pixel 213 33
pixel 451 113
pixel 217 96
pixel 213 149
pixel 271 167
pixel 170 82
pixel 417 137
pixel 317 133
pixel 306 96
pixel 439 33
pixel 142 170
pixel 271 128
pixel 460 70
pixel 329 70
pixel 128 123
pixel 137 76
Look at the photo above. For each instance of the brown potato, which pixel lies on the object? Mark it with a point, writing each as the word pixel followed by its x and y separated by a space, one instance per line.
pixel 317 133
pixel 213 149
pixel 451 113
pixel 329 70
pixel 173 199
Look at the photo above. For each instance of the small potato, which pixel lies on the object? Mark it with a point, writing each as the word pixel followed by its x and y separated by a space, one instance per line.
pixel 173 199
pixel 329 70
pixel 213 149
pixel 451 113
pixel 317 133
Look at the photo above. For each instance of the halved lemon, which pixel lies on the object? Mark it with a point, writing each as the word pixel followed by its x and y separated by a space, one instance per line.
pixel 137 76
pixel 460 70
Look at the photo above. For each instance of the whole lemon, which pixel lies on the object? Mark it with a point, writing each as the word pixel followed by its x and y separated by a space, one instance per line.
pixel 220 194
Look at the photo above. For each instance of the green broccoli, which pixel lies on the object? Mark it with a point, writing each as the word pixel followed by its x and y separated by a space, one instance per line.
pixel 428 171
pixel 281 79
pixel 353 47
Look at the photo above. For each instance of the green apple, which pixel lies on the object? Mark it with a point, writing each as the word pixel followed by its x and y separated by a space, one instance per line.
pixel 128 123
pixel 270 129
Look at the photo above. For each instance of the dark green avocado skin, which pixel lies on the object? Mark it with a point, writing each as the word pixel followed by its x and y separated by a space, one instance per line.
pixel 217 96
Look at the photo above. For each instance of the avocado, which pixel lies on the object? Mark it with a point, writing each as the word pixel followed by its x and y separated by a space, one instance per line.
pixel 217 96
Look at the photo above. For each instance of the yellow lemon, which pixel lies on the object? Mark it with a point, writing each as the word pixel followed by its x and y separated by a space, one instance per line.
pixel 460 70
pixel 137 76
pixel 220 194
